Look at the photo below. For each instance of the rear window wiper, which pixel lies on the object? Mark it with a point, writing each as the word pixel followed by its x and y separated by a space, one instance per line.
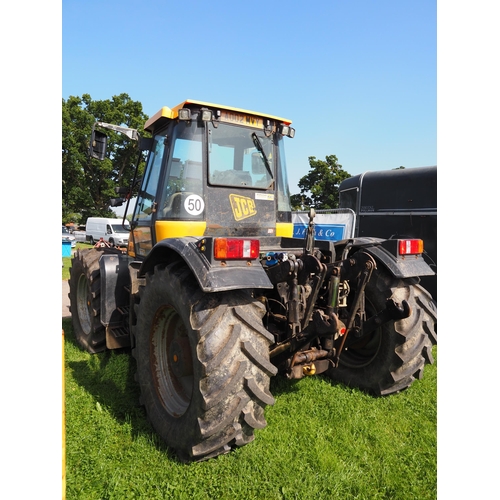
pixel 259 147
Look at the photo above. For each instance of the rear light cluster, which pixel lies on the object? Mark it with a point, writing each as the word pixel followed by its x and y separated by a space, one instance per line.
pixel 234 248
pixel 411 247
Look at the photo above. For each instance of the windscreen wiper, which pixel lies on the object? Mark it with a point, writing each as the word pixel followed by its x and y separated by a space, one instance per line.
pixel 259 147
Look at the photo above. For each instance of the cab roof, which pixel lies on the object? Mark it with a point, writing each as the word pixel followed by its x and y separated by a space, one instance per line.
pixel 167 113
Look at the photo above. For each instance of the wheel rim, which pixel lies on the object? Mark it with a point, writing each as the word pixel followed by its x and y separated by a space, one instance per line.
pixel 172 364
pixel 83 305
pixel 360 353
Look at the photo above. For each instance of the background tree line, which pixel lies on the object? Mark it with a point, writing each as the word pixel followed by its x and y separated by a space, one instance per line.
pixel 88 184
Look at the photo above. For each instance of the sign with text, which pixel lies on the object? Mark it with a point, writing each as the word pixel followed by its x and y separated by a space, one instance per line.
pixel 327 226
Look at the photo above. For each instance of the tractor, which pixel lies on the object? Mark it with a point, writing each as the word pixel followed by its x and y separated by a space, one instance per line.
pixel 214 296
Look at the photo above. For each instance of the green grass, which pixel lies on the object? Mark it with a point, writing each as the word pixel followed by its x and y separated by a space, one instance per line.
pixel 322 441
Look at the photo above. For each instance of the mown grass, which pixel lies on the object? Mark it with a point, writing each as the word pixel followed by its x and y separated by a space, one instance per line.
pixel 322 441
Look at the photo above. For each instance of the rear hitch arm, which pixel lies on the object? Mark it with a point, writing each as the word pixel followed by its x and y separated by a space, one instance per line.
pixel 367 265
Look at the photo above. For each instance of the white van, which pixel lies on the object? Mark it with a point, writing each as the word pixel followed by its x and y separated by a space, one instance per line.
pixel 110 230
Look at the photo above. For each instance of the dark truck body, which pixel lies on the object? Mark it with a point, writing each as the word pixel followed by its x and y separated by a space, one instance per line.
pixel 398 203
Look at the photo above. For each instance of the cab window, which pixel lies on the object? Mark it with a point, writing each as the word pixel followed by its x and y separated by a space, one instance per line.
pixel 147 195
pixel 182 196
pixel 235 161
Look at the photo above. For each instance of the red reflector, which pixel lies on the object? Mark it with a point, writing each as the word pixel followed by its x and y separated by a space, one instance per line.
pixel 232 248
pixel 411 247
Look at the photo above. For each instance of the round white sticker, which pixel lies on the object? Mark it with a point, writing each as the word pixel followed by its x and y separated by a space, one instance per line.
pixel 194 204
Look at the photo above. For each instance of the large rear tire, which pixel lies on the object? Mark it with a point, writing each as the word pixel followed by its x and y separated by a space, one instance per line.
pixel 392 357
pixel 85 300
pixel 202 363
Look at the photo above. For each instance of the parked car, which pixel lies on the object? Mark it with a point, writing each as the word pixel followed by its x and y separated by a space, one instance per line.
pixel 66 236
pixel 80 235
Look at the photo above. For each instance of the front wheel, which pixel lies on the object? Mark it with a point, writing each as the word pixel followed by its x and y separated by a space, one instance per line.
pixel 85 300
pixel 202 363
pixel 390 358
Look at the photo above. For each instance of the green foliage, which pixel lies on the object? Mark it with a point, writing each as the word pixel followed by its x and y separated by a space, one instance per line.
pixel 323 441
pixel 319 188
pixel 88 184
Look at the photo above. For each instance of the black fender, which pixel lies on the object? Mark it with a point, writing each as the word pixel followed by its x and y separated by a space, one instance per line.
pixel 115 278
pixel 211 276
pixel 385 252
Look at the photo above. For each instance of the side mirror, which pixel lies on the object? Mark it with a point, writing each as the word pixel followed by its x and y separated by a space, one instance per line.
pixel 98 144
pixel 145 143
pixel 116 202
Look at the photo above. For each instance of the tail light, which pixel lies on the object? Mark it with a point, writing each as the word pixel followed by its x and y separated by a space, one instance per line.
pixel 233 248
pixel 411 247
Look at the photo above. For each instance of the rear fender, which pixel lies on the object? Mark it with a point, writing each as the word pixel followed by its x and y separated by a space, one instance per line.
pixel 212 277
pixel 385 252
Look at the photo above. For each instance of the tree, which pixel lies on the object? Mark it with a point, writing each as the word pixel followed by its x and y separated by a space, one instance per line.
pixel 319 188
pixel 88 184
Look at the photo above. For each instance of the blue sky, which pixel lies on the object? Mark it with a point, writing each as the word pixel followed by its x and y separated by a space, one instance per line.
pixel 357 78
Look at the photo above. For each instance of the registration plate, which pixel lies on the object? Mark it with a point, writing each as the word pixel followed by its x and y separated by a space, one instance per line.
pixel 241 119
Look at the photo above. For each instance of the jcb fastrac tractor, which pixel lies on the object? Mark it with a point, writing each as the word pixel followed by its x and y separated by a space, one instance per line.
pixel 214 296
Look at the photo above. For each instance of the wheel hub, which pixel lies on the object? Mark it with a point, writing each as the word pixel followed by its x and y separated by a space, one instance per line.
pixel 172 365
pixel 180 357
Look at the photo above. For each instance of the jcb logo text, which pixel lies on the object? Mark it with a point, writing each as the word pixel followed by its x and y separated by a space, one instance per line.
pixel 242 206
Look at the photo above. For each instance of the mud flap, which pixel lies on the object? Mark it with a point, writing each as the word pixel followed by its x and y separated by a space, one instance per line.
pixel 115 298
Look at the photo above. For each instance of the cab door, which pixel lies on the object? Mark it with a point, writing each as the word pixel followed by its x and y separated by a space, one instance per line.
pixel 146 207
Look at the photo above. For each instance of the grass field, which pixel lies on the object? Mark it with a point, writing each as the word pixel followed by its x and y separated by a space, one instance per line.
pixel 322 441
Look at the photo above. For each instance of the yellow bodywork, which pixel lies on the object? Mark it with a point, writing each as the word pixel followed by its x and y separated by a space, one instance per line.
pixel 284 229
pixel 172 113
pixel 179 229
